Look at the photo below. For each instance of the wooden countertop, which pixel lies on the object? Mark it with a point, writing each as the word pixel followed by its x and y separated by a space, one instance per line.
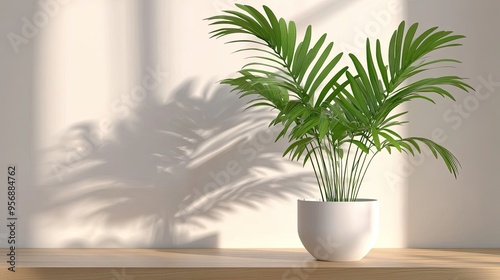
pixel 135 264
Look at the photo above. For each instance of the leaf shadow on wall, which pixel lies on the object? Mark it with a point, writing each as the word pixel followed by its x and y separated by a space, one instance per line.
pixel 166 170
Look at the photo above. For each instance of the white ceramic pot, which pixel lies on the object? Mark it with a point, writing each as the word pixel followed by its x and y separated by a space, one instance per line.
pixel 338 231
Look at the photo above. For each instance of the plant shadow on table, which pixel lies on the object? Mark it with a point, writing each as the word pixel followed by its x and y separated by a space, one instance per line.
pixel 165 169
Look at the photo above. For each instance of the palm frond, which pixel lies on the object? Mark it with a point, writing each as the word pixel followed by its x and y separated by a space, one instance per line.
pixel 307 64
pixel 411 145
pixel 338 119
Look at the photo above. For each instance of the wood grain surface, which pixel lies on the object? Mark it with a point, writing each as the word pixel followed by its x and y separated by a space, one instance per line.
pixel 135 264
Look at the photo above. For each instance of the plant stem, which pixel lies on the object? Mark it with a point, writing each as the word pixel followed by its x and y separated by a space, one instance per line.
pixel 332 157
pixel 353 165
pixel 320 173
pixel 338 167
pixel 325 169
pixel 316 175
pixel 364 173
pixel 344 182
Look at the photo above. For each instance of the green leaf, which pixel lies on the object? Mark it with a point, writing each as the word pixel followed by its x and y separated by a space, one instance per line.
pixel 276 28
pixel 330 85
pixel 323 127
pixel 450 160
pixel 324 73
pixel 376 138
pixel 392 54
pixel 382 68
pixel 359 96
pixel 398 47
pixel 317 67
pixel 311 55
pixel 416 43
pixel 372 72
pixel 300 55
pixel 393 117
pixel 407 43
pixel 364 86
pixel 299 143
pixel 292 34
pixel 266 27
pixel 391 140
pixel 284 38
pixel 360 145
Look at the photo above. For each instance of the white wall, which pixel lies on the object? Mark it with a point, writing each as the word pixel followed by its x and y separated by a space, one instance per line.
pixel 442 211
pixel 179 164
pixel 16 121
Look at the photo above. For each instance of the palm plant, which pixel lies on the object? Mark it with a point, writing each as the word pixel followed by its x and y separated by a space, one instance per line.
pixel 338 120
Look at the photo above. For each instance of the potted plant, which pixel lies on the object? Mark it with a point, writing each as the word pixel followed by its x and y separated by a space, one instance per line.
pixel 338 119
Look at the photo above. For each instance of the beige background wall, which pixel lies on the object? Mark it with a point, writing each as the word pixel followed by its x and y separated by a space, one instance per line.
pixel 124 139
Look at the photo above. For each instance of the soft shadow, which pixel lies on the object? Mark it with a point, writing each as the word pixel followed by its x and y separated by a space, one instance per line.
pixel 475 251
pixel 167 167
pixel 322 11
pixel 281 254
